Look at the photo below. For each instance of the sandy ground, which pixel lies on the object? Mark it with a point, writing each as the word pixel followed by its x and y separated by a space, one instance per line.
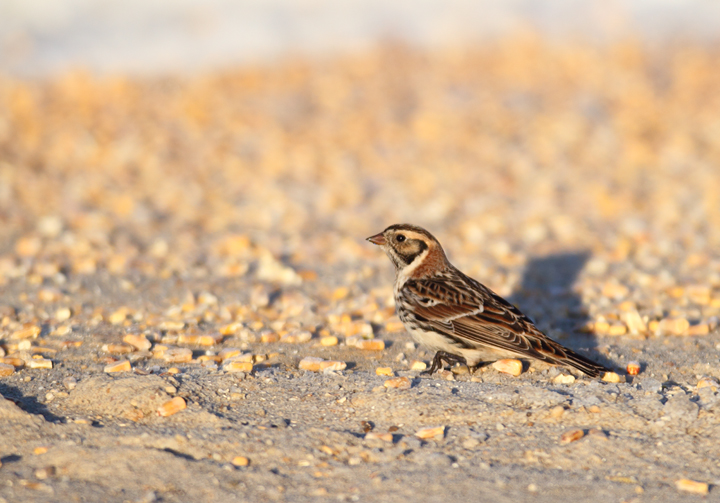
pixel 228 211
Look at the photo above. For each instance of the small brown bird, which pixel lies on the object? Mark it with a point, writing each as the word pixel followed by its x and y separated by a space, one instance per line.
pixel 459 318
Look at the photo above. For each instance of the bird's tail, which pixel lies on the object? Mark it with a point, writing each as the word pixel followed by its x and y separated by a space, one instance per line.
pixel 584 365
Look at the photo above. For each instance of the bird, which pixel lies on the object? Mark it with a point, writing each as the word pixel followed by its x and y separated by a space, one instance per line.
pixel 457 317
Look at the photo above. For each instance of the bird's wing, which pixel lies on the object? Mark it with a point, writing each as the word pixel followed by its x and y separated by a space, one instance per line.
pixel 468 311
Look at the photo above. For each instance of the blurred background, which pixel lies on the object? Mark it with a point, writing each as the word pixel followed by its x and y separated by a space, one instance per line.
pixel 263 140
pixel 40 36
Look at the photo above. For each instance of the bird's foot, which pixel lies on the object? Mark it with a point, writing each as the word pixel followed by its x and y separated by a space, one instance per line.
pixel 444 356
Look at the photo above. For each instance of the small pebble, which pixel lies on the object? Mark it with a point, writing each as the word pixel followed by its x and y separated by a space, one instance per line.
pixel 708 382
pixel 319 365
pixel 200 340
pixel 633 321
pixel 121 366
pixel 330 340
pixel 398 383
pixel 699 329
pixel 509 366
pixel 394 326
pixel 370 344
pixel 269 337
pixel 633 368
pixel 11 360
pixel 235 365
pixel 171 326
pixel 612 377
pixel 70 383
pixel 39 363
pixel 385 437
pixel 564 379
pixel 6 370
pixel 445 375
pixel 459 370
pixel 418 365
pixel 172 407
pixel 177 355
pixel 63 314
pixel 615 290
pixel 139 342
pixel 571 436
pixel 692 486
pixel 240 461
pixel 118 316
pixel 226 353
pixel 557 411
pixel 384 371
pixel 672 326
pixel 616 329
pixel 28 332
pixel 117 349
pixel 298 337
pixel 425 433
pixel 44 473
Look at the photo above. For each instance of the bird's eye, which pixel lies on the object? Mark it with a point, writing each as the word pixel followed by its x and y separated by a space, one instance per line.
pixel 400 238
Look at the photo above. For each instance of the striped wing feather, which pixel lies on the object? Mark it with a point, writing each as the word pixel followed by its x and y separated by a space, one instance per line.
pixel 462 308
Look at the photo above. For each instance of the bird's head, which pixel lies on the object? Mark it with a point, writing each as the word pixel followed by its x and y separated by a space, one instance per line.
pixel 408 245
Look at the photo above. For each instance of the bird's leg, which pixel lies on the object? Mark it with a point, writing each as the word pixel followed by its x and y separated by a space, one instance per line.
pixel 444 356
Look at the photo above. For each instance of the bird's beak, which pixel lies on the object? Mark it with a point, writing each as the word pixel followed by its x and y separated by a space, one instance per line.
pixel 377 239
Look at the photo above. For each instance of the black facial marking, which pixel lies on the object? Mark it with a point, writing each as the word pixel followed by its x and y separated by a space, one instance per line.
pixel 417 248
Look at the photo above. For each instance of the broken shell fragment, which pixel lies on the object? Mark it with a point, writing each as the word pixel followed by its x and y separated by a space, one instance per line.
pixel 39 363
pixel 692 486
pixel 426 433
pixel 121 366
pixel 28 332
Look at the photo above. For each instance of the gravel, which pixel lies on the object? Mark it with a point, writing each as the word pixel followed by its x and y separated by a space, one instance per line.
pixel 160 221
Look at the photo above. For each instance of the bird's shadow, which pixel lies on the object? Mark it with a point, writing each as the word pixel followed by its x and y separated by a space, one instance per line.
pixel 546 295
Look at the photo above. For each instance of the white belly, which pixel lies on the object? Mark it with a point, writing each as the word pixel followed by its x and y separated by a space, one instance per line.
pixel 436 342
